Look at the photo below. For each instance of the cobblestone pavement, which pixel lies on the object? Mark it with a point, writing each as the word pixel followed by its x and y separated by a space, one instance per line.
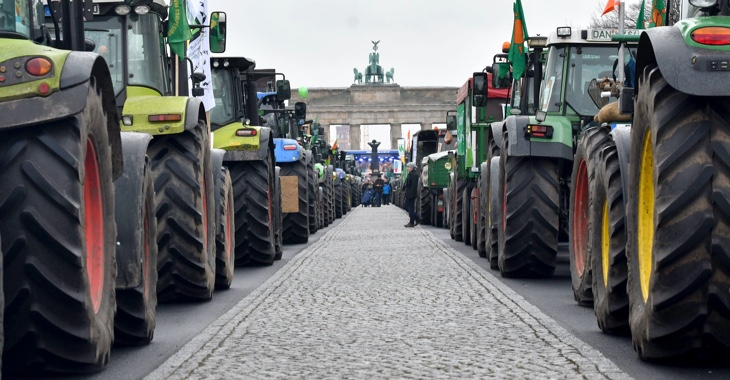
pixel 372 299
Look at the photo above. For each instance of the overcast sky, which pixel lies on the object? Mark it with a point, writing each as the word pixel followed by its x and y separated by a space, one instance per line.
pixel 317 43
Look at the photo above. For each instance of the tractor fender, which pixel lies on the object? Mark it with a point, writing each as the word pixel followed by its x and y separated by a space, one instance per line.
pixel 517 144
pixel 265 151
pixel 130 225
pixel 621 136
pixel 216 157
pixel 307 157
pixel 194 111
pixel 497 128
pixel 686 68
pixel 70 100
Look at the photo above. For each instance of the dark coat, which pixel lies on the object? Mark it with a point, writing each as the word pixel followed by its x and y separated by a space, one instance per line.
pixel 412 185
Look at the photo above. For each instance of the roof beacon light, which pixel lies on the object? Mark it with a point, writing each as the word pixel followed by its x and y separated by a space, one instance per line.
pixel 122 10
pixel 564 31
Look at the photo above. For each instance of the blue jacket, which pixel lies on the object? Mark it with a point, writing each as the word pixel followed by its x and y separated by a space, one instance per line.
pixel 386 188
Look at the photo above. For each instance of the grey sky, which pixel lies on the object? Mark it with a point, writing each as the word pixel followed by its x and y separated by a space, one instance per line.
pixel 317 43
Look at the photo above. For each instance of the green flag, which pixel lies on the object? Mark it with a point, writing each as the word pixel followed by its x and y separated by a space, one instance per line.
pixel 178 30
pixel 640 23
pixel 658 13
pixel 517 47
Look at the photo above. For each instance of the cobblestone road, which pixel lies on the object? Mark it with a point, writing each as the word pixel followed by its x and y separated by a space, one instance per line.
pixel 372 299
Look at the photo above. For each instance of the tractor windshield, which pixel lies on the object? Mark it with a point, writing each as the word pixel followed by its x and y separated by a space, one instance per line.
pixel 224 111
pixel 19 17
pixel 583 64
pixel 144 52
pixel 106 33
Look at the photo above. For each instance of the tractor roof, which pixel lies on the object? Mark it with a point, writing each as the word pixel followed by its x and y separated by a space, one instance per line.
pixel 241 63
pixel 585 36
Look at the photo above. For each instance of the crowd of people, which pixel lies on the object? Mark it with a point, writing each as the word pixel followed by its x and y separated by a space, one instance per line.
pixel 378 192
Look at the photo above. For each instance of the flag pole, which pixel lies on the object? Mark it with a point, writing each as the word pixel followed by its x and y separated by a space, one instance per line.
pixel 621 21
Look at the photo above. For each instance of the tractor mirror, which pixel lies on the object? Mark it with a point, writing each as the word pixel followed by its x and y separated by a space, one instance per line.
pixel 300 110
pixel 451 122
pixel 594 91
pixel 217 33
pixel 283 90
pixel 500 75
pixel 479 89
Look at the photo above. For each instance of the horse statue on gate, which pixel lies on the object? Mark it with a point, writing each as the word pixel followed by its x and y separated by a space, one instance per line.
pixel 389 75
pixel 358 76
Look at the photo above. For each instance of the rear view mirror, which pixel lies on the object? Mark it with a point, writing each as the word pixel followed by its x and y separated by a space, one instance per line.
pixel 451 122
pixel 217 33
pixel 479 89
pixel 283 90
pixel 300 110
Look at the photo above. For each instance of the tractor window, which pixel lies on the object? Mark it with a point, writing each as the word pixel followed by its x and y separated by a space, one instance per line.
pixel 106 33
pixel 144 52
pixel 15 17
pixel 550 99
pixel 584 64
pixel 224 111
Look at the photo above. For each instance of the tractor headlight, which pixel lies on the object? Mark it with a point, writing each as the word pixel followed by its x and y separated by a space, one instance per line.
pixel 122 10
pixel 142 9
pixel 703 3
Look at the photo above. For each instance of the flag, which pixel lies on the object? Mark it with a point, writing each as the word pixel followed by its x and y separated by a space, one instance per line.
pixel 334 146
pixel 408 142
pixel 178 29
pixel 610 6
pixel 517 47
pixel 640 23
pixel 658 13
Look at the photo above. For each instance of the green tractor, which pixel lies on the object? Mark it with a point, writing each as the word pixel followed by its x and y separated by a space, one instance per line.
pixel 79 187
pixel 659 227
pixel 250 159
pixel 475 145
pixel 423 144
pixel 538 153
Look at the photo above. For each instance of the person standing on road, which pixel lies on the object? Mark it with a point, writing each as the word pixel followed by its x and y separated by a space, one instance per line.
pixel 378 187
pixel 386 192
pixel 411 189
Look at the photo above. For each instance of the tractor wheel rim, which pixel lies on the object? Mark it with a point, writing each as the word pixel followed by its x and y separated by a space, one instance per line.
pixel 645 215
pixel 605 243
pixel 580 219
pixel 94 226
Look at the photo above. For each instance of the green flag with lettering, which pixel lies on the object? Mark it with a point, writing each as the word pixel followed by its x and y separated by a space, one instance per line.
pixel 517 47
pixel 178 30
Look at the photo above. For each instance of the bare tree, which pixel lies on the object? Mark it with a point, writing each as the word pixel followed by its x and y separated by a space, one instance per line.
pixel 610 20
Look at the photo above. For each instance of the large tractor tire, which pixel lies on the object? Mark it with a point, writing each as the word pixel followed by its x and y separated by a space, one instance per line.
pixel 333 193
pixel 677 210
pixel 424 201
pixel 136 224
pixel 530 199
pixel 494 216
pixel 58 244
pixel 338 199
pixel 586 160
pixel 325 204
pixel 254 192
pixel 473 216
pixel 278 218
pixel 296 224
pixel 184 197
pixel 320 208
pixel 481 228
pixel 456 217
pixel 313 202
pixel 225 227
pixel 466 214
pixel 607 242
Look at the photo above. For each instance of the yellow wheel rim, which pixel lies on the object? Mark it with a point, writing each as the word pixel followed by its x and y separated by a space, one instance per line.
pixel 645 213
pixel 605 243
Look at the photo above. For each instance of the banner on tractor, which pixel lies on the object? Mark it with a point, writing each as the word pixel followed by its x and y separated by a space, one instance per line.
pixel 199 49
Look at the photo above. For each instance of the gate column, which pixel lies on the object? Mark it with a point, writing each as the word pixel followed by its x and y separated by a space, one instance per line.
pixel 355 136
pixel 395 133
